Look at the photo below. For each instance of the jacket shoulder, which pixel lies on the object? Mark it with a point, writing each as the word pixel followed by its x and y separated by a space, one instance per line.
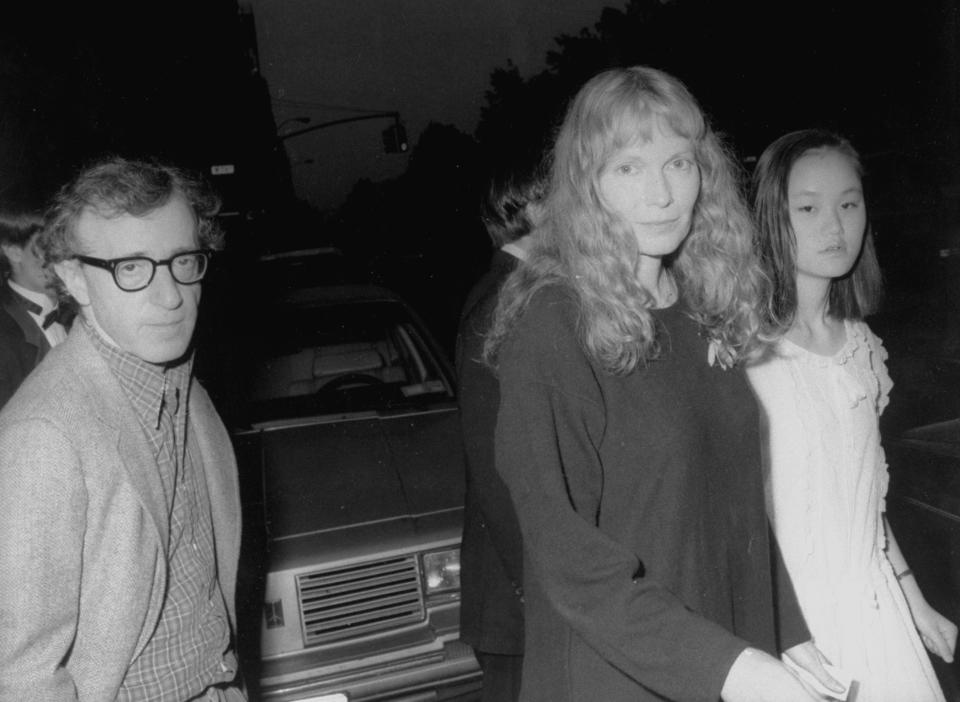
pixel 482 296
pixel 49 388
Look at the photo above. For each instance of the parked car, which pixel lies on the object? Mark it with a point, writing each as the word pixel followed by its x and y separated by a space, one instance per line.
pixel 923 506
pixel 352 474
pixel 287 271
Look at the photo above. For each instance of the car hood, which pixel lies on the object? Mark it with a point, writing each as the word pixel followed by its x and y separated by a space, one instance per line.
pixel 941 437
pixel 924 466
pixel 360 470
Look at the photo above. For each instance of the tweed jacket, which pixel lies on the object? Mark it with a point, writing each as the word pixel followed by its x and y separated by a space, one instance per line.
pixel 84 527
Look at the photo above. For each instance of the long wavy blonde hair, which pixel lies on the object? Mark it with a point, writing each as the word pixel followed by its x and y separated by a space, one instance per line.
pixel 583 246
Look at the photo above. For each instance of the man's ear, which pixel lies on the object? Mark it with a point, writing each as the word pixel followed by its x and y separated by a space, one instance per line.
pixel 71 273
pixel 13 253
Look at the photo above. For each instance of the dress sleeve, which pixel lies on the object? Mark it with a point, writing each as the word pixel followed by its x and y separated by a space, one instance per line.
pixel 878 365
pixel 549 432
pixel 42 507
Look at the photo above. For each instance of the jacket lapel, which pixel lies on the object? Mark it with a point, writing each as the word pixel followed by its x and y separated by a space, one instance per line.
pixel 32 333
pixel 112 409
pixel 220 471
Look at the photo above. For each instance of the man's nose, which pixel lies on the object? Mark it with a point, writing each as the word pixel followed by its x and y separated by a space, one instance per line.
pixel 164 290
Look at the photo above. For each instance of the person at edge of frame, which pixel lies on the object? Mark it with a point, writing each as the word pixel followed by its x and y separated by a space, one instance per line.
pixel 31 319
pixel 119 502
pixel 491 553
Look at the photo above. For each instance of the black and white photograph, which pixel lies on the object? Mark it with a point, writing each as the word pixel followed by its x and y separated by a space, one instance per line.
pixel 479 351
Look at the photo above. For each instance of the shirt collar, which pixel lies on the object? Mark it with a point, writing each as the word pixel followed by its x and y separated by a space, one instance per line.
pixel 514 250
pixel 151 388
pixel 45 303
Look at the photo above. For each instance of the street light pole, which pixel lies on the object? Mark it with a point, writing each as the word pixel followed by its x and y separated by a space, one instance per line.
pixel 396 128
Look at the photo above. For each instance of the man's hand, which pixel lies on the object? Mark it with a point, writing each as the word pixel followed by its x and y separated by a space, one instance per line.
pixel 758 677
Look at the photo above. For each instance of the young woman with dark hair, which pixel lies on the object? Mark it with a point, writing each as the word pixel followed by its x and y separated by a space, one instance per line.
pixel 822 389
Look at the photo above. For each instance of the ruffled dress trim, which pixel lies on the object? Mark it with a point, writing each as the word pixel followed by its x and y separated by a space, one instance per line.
pixel 862 381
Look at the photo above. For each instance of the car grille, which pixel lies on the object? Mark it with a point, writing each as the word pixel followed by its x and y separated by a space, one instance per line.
pixel 359 599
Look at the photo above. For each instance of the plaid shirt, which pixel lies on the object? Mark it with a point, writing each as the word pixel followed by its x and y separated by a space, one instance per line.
pixel 190 649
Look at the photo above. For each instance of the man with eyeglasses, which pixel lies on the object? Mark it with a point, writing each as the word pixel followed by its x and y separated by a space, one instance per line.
pixel 119 507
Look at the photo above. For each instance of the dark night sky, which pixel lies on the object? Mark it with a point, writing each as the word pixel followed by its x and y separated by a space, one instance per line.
pixel 428 59
pixel 769 66
pixel 174 79
pixel 165 79
pixel 80 79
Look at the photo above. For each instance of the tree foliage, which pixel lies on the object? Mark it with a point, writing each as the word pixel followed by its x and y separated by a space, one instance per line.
pixel 758 68
pixel 420 234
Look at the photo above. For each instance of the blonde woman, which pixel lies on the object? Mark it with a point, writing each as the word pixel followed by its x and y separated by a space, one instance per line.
pixel 627 434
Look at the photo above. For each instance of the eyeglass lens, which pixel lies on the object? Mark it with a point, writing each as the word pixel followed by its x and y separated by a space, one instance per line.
pixel 138 272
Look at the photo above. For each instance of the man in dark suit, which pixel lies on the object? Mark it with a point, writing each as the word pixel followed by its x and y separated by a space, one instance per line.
pixel 491 607
pixel 31 321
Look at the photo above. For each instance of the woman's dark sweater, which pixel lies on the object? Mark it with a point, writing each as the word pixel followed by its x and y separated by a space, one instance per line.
pixel 647 554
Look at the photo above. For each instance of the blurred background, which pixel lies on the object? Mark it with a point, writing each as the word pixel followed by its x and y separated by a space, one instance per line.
pixel 366 129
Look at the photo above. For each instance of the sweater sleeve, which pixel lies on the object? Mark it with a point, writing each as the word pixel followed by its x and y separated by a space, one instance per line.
pixel 791 626
pixel 549 434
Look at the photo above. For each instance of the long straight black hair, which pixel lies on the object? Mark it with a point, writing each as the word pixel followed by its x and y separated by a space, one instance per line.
pixel 853 296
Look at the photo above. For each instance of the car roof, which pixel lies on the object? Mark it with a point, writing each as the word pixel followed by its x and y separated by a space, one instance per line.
pixel 302 253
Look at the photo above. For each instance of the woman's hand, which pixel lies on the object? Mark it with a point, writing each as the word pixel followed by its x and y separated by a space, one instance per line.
pixel 809 658
pixel 758 677
pixel 937 632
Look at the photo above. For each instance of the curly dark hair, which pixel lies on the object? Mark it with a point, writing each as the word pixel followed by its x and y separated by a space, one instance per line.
pixel 515 183
pixel 116 186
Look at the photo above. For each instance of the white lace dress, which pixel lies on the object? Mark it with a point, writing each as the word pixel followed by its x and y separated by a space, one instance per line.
pixel 826 481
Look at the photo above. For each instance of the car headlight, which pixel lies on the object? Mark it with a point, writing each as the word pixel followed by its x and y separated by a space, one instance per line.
pixel 441 571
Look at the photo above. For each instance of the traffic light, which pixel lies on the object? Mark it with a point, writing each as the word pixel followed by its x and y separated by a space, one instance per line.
pixel 395 139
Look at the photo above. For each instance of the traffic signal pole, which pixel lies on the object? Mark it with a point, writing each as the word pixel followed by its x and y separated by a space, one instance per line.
pixel 393 135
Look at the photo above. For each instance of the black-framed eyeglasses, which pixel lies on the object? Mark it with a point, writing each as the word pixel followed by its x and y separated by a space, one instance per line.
pixel 133 273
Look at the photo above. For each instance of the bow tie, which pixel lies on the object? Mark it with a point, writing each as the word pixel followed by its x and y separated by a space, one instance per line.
pixel 57 314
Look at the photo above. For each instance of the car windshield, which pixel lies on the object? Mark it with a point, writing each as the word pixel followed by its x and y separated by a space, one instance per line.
pixel 286 272
pixel 344 357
